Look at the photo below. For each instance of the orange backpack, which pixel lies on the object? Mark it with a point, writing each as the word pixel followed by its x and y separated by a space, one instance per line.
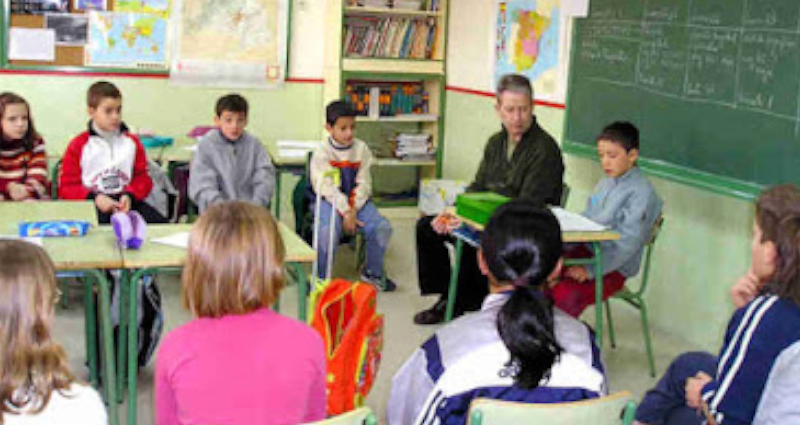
pixel 345 316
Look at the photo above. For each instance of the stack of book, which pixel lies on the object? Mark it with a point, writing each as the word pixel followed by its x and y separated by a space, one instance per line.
pixel 414 147
pixel 392 37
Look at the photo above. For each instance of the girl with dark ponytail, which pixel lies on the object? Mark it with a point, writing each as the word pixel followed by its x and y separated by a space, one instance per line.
pixel 518 347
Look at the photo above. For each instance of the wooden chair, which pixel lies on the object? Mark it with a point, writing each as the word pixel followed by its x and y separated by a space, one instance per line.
pixel 360 416
pixel 636 298
pixel 616 409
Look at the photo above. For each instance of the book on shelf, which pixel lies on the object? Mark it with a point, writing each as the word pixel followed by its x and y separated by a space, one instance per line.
pixel 387 99
pixel 390 37
pixel 426 5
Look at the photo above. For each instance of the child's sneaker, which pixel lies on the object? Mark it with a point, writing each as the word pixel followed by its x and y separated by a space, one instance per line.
pixel 376 282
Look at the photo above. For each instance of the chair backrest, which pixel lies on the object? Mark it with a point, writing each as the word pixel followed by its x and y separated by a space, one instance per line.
pixel 616 409
pixel 54 179
pixel 360 416
pixel 564 195
pixel 651 243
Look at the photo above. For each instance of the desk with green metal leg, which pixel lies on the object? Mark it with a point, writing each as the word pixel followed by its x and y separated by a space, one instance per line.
pixel 90 255
pixel 592 238
pixel 155 258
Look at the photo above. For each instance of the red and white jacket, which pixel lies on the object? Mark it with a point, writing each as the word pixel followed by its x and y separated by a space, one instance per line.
pixel 93 165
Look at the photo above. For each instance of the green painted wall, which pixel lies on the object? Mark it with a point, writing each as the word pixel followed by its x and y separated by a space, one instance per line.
pixel 59 106
pixel 704 246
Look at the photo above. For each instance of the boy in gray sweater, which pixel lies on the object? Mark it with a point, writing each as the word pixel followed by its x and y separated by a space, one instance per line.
pixel 231 164
pixel 626 203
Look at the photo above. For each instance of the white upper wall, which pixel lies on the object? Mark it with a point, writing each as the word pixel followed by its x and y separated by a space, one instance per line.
pixel 469 45
pixel 307 49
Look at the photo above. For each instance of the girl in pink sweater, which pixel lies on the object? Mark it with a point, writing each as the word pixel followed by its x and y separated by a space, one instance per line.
pixel 238 362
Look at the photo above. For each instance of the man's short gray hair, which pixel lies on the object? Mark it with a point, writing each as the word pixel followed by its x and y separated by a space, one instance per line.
pixel 514 83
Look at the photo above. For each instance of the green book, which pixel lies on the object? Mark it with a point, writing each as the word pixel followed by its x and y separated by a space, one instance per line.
pixel 479 206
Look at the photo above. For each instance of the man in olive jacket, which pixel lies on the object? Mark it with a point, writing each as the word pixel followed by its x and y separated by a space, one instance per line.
pixel 520 161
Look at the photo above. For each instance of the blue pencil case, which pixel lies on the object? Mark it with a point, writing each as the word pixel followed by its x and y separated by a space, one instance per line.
pixel 54 228
pixel 156 141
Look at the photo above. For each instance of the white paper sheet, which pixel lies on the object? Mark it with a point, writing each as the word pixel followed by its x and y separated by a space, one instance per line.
pixel 298 144
pixel 192 148
pixel 575 8
pixel 574 222
pixel 30 239
pixel 293 153
pixel 178 240
pixel 32 44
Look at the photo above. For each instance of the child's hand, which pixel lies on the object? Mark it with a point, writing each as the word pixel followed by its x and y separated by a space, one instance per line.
pixel 105 204
pixel 124 204
pixel 18 192
pixel 38 188
pixel 745 289
pixel 349 222
pixel 578 273
pixel 694 387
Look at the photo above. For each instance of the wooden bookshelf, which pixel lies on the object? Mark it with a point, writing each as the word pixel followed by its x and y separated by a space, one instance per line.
pixel 410 118
pixel 342 67
pixel 401 66
pixel 373 11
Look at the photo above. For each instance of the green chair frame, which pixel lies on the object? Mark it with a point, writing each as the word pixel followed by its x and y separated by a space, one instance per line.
pixel 637 300
pixel 615 409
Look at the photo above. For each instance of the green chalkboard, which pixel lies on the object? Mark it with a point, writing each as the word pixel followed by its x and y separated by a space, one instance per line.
pixel 713 85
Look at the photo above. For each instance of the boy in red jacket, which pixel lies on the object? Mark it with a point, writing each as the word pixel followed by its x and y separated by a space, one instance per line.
pixel 107 164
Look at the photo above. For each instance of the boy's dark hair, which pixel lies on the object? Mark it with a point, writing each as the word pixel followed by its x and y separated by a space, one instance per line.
pixel 100 90
pixel 521 246
pixel 778 217
pixel 338 109
pixel 233 103
pixel 622 133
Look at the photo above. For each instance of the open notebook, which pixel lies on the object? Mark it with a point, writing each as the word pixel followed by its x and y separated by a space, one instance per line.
pixel 574 222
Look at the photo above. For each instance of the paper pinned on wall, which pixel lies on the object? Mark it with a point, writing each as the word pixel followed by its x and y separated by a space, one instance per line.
pixel 32 44
pixel 575 8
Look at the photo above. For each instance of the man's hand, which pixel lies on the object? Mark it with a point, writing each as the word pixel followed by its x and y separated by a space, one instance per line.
pixel 105 204
pixel 445 223
pixel 578 273
pixel 124 204
pixel 18 192
pixel 694 387
pixel 745 289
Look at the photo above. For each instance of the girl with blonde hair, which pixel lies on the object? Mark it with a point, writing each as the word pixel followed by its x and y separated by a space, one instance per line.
pixel 36 385
pixel 238 362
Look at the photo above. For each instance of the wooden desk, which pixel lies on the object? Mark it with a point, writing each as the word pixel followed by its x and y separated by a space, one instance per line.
pixel 90 255
pixel 594 240
pixel 11 213
pixel 155 258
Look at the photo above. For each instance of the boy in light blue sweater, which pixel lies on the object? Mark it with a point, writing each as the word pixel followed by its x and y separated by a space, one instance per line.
pixel 626 203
